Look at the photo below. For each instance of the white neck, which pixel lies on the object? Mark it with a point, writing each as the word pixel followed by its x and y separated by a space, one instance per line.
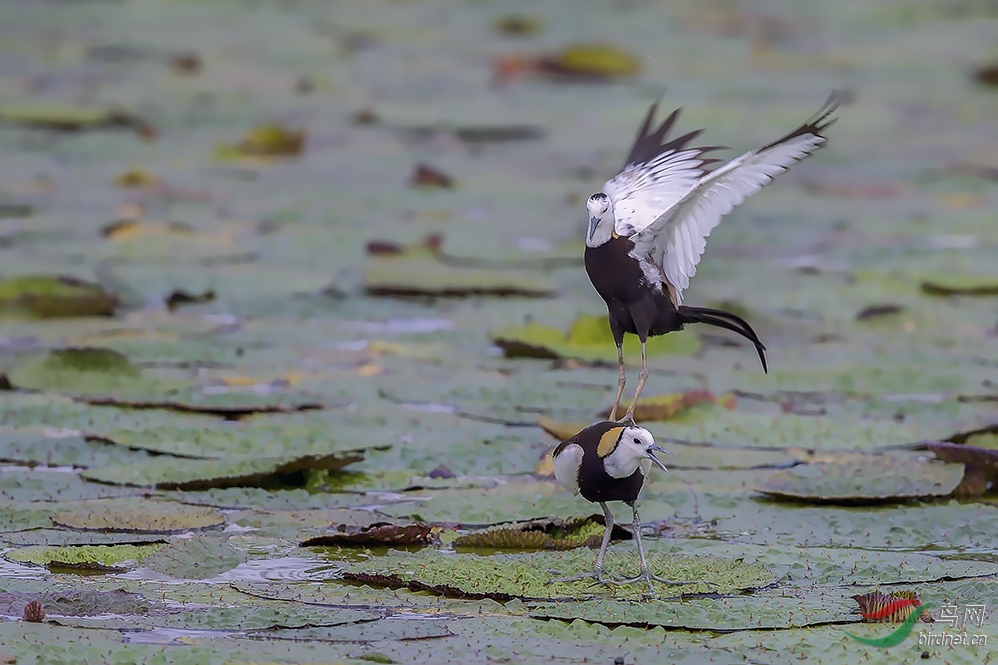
pixel 603 232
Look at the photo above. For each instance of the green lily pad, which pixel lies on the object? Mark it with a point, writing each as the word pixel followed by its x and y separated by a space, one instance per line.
pixel 88 557
pixel 231 440
pixel 510 502
pixel 547 534
pixel 81 370
pixel 590 340
pixel 138 516
pixel 197 474
pixel 375 631
pixel 379 534
pixel 761 610
pixel 197 558
pixel 408 277
pixel 960 285
pixel 65 118
pixel 77 602
pixel 44 297
pixel 506 576
pixel 67 538
pixel 875 479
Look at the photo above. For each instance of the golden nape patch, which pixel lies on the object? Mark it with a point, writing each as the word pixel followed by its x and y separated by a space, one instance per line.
pixel 608 442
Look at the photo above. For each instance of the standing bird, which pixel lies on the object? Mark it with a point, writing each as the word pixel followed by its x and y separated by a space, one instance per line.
pixel 649 227
pixel 609 462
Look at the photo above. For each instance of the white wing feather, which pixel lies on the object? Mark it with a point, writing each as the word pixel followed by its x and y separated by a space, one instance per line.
pixel 642 192
pixel 676 239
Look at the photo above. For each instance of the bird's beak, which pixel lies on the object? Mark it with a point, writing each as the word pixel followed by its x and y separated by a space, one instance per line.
pixel 651 456
pixel 593 223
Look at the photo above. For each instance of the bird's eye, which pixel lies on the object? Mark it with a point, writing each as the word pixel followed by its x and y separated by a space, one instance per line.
pixel 637 441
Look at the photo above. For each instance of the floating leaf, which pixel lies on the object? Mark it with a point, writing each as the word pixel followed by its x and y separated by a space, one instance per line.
pixel 590 339
pixel 509 502
pixel 543 534
pixel 197 474
pixel 979 456
pixel 414 278
pixel 197 558
pixel 664 407
pixel 80 369
pixel 517 25
pixel 102 558
pixel 960 285
pixel 876 479
pixel 430 244
pixel 138 516
pixel 266 141
pixel 503 577
pixel 44 297
pixel 595 60
pixel 137 178
pixel 427 176
pixel 379 534
pixel 74 118
pixel 879 311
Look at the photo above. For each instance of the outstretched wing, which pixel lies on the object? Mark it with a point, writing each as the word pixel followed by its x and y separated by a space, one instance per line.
pixel 676 240
pixel 656 174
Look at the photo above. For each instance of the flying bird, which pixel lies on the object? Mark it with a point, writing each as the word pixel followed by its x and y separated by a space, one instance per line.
pixel 604 462
pixel 649 227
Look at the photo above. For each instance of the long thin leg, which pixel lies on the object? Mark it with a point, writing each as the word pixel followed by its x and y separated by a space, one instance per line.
pixel 646 574
pixel 621 380
pixel 599 572
pixel 642 377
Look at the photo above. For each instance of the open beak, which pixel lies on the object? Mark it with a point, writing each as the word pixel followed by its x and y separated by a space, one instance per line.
pixel 651 455
pixel 593 223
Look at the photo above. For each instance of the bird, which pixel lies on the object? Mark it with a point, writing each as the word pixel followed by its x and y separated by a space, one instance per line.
pixel 648 228
pixel 605 462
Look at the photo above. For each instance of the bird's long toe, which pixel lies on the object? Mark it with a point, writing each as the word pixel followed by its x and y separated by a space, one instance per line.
pixel 647 577
pixel 597 576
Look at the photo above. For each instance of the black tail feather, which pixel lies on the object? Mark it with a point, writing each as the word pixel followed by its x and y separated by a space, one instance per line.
pixel 728 321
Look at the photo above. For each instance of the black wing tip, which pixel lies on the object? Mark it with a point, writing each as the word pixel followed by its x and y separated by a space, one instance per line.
pixel 817 124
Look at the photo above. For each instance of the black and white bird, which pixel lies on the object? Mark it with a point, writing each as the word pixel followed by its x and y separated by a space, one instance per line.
pixel 605 462
pixel 649 227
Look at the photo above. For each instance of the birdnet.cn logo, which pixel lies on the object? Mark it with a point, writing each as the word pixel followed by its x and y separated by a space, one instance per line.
pixel 957 617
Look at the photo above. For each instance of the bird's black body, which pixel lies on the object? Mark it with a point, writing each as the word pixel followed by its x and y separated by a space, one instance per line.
pixel 595 484
pixel 637 307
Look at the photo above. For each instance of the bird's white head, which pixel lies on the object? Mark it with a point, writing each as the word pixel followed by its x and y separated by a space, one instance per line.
pixel 635 448
pixel 600 220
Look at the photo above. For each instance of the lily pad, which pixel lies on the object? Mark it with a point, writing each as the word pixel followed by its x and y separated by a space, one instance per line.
pixel 66 538
pixel 77 602
pixel 197 474
pixel 232 440
pixel 665 407
pixel 85 557
pixel 979 457
pixel 197 558
pixel 506 576
pixel 405 277
pixel 137 516
pixel 545 534
pixel 761 610
pixel 68 118
pixel 510 502
pixel 960 285
pixel 876 479
pixel 86 369
pixel 50 297
pixel 589 340
pixel 379 534
pixel 265 141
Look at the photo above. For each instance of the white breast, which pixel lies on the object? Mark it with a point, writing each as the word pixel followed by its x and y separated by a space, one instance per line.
pixel 566 467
